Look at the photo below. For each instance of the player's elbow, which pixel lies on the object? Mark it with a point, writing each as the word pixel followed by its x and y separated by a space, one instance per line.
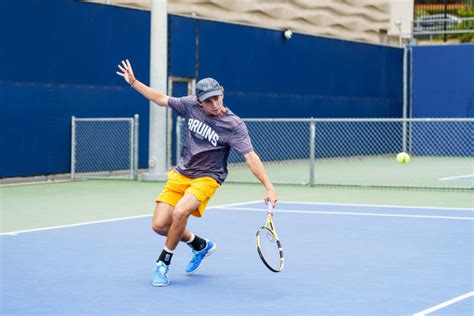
pixel 251 159
pixel 160 99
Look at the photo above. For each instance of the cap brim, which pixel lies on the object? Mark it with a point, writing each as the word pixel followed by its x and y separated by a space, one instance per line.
pixel 209 94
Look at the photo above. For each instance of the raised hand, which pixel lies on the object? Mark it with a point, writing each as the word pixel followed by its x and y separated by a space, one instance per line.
pixel 126 72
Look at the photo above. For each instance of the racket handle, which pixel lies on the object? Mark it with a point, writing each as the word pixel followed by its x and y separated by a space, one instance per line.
pixel 269 208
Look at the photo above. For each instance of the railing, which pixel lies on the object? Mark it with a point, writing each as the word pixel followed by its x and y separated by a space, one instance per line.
pixel 448 20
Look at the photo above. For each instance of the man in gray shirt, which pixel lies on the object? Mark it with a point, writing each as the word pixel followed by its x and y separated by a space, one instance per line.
pixel 212 130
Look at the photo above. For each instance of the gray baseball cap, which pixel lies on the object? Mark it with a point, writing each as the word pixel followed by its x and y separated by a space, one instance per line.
pixel 206 88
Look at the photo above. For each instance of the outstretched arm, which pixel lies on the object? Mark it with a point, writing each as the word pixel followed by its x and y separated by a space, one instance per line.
pixel 257 168
pixel 151 94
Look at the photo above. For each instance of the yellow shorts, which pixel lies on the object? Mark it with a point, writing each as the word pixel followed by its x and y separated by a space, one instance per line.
pixel 178 185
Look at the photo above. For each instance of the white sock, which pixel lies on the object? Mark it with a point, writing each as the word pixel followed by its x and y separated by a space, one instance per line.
pixel 191 239
pixel 167 250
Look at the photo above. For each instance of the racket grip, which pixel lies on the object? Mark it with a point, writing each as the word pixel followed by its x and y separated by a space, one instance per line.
pixel 269 208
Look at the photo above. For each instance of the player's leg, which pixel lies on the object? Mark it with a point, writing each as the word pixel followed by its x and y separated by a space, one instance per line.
pixel 166 201
pixel 183 209
pixel 186 196
pixel 203 189
pixel 161 222
pixel 162 218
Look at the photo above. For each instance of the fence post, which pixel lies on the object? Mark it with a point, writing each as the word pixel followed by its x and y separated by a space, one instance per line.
pixel 312 138
pixel 405 98
pixel 135 145
pixel 410 102
pixel 73 146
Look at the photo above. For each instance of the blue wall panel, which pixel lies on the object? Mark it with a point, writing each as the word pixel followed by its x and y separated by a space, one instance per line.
pixel 36 123
pixel 65 41
pixel 60 61
pixel 443 86
pixel 443 81
pixel 182 46
pixel 62 57
pixel 267 76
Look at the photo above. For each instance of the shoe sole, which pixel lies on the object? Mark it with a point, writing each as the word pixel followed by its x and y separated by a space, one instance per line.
pixel 210 252
pixel 160 285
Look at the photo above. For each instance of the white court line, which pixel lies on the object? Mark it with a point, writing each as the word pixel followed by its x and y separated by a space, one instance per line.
pixel 72 225
pixel 384 206
pixel 444 304
pixel 14 233
pixel 352 213
pixel 33 183
pixel 228 207
pixel 458 177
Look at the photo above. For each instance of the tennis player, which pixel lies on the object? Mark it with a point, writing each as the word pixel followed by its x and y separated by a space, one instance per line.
pixel 212 131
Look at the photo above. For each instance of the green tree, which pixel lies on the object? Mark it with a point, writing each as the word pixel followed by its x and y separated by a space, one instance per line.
pixel 466 25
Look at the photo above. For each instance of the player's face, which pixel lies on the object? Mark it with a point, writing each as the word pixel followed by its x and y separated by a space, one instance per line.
pixel 214 105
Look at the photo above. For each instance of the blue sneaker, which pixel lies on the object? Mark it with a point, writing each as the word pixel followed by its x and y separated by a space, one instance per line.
pixel 161 274
pixel 198 256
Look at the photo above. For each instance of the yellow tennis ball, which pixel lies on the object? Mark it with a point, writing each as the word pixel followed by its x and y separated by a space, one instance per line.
pixel 403 157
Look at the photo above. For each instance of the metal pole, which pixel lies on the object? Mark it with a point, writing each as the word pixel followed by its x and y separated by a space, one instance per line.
pixel 405 99
pixel 135 146
pixel 158 145
pixel 410 114
pixel 130 143
pixel 312 138
pixel 445 20
pixel 398 24
pixel 73 146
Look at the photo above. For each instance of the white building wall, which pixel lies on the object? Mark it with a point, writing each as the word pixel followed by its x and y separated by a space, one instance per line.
pixel 359 20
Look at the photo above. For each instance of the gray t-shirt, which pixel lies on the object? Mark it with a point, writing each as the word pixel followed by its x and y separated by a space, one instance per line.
pixel 208 140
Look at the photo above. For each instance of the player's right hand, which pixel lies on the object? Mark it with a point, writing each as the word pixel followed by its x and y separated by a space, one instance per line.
pixel 126 71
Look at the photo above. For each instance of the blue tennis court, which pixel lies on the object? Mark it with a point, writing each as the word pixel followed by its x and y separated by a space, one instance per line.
pixel 341 259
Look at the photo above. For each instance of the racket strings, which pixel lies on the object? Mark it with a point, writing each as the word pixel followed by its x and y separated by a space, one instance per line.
pixel 269 248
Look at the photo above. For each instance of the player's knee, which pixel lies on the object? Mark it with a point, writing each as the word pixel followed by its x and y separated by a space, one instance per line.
pixel 180 214
pixel 160 228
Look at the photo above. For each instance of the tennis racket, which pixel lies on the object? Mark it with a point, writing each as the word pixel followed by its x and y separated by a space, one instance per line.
pixel 268 244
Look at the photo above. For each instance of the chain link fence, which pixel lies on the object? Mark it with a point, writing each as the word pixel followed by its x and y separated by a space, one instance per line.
pixel 359 152
pixel 104 148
